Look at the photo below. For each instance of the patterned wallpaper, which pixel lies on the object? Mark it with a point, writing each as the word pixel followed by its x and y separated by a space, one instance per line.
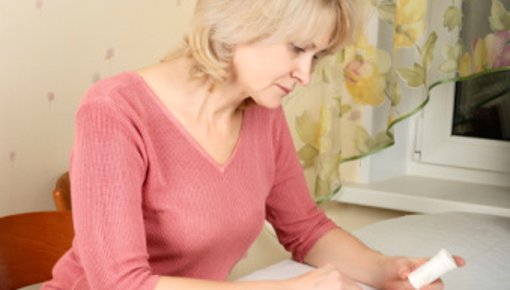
pixel 51 52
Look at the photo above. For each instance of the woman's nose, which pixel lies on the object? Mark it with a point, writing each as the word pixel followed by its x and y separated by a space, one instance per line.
pixel 302 70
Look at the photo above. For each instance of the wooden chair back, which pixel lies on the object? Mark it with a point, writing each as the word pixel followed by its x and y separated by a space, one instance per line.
pixel 30 245
pixel 62 192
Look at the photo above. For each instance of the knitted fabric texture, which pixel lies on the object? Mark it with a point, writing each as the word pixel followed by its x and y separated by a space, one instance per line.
pixel 148 200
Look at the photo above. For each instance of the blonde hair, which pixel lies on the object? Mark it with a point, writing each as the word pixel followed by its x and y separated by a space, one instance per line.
pixel 219 25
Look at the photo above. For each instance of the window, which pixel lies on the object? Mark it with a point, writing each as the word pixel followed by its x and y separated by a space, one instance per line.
pixel 467 124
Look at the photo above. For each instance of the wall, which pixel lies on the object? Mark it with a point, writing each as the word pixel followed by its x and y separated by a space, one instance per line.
pixel 51 52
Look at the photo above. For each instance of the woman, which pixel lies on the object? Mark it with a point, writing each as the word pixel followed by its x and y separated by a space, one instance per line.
pixel 176 166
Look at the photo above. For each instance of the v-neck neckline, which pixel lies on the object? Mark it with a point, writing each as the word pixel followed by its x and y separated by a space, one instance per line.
pixel 221 167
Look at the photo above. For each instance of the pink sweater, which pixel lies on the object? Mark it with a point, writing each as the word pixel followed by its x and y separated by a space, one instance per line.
pixel 149 201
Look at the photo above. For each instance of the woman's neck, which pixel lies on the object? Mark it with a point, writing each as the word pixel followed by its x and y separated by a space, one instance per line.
pixel 193 98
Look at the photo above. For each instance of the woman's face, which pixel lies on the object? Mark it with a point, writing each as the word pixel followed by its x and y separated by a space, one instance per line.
pixel 267 72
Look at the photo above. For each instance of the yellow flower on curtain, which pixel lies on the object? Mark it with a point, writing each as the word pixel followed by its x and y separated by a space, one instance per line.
pixel 500 17
pixel 328 174
pixel 365 69
pixel 490 52
pixel 366 143
pixel 452 18
pixel 317 153
pixel 493 51
pixel 453 58
pixel 479 62
pixel 313 135
pixel 465 67
pixel 409 22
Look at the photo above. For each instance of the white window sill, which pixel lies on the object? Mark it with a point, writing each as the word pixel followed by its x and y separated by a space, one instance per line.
pixel 428 195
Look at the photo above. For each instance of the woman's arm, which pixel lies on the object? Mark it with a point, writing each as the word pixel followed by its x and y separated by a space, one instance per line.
pixel 354 259
pixel 323 278
pixel 166 283
pixel 347 254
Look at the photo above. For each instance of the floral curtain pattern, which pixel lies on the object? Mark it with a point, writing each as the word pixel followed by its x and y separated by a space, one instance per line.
pixel 391 78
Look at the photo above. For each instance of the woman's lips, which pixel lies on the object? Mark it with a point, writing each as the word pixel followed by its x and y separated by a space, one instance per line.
pixel 284 89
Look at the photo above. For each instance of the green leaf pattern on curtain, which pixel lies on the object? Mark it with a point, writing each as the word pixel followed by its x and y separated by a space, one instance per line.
pixel 327 117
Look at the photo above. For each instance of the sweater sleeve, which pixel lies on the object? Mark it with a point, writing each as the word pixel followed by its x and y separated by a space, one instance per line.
pixel 298 222
pixel 107 173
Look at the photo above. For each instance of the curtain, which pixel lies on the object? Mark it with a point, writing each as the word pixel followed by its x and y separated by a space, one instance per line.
pixel 387 75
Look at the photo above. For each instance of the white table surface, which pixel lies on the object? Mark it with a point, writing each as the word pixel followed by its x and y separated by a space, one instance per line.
pixel 482 240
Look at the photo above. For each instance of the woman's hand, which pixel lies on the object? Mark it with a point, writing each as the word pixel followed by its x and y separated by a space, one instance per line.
pixel 323 278
pixel 396 270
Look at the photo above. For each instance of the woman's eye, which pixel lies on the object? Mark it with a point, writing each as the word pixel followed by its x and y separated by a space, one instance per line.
pixel 317 57
pixel 298 49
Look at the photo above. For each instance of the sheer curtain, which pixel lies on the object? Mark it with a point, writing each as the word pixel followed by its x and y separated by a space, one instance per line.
pixel 389 71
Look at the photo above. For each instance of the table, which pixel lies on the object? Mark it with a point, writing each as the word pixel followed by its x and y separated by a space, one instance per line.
pixel 482 240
